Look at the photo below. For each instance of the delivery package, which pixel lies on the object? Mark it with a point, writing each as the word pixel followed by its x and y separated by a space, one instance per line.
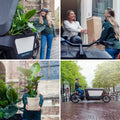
pixel 94 27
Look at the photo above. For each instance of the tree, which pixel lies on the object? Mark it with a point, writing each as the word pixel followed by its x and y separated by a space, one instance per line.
pixel 107 75
pixel 69 72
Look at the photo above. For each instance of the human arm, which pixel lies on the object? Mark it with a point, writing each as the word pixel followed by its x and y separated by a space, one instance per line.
pixel 40 102
pixel 106 29
pixel 25 101
pixel 70 27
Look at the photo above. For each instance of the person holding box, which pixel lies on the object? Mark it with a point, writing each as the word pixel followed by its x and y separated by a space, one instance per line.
pixel 110 32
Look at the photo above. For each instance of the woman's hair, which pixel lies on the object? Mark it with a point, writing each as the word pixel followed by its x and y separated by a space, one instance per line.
pixel 111 19
pixel 68 13
pixel 48 19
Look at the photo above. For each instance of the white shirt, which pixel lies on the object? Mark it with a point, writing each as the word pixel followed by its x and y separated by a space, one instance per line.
pixel 71 28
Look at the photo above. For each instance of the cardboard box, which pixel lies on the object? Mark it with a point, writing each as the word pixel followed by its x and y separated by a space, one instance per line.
pixel 94 27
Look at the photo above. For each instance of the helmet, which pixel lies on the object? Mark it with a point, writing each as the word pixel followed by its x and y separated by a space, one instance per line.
pixel 76 39
pixel 77 78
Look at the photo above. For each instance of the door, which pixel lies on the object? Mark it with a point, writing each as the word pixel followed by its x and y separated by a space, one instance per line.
pixel 99 6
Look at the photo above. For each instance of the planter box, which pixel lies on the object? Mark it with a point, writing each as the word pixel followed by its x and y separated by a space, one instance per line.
pixel 19 46
pixel 33 103
pixel 7 11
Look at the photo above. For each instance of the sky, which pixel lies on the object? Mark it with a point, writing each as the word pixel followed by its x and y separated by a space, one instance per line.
pixel 88 67
pixel 57 4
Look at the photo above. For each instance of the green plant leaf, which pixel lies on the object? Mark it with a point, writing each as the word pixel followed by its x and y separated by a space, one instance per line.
pixel 29 14
pixel 26 72
pixel 20 23
pixel 31 26
pixel 2 112
pixel 11 94
pixel 35 68
pixel 2 89
pixel 10 111
pixel 4 103
pixel 35 80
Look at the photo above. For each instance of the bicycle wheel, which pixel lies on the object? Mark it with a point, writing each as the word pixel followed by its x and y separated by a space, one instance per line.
pixel 35 49
pixel 74 98
pixel 106 99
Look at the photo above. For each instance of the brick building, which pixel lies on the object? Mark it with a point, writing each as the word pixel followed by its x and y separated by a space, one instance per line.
pixel 48 85
pixel 38 4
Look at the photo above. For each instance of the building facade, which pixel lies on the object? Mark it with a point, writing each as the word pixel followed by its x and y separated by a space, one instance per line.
pixel 38 5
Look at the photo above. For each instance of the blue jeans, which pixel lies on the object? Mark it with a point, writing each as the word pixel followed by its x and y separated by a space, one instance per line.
pixel 44 39
pixel 113 52
pixel 80 91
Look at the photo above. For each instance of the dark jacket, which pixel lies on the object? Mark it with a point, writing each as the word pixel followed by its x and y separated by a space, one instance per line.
pixel 109 35
pixel 77 85
pixel 31 115
pixel 47 29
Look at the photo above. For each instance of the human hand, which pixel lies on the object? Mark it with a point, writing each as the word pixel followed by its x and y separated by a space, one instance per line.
pixel 39 108
pixel 84 31
pixel 94 39
pixel 54 38
pixel 27 107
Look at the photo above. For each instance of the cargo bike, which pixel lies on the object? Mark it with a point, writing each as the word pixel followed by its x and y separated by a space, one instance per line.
pixel 91 94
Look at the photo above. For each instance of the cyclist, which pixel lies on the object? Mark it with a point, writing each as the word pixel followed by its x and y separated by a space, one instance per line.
pixel 77 85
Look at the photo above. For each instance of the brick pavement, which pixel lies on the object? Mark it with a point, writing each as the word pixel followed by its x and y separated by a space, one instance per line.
pixel 54 50
pixel 90 111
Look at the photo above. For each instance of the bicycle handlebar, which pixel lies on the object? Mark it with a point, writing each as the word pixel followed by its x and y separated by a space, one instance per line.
pixel 77 45
pixel 88 45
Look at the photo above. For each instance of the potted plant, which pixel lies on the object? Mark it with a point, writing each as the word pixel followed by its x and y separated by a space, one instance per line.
pixel 18 34
pixel 30 76
pixel 8 99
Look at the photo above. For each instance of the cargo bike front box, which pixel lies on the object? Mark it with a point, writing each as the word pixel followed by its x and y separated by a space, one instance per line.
pixel 19 46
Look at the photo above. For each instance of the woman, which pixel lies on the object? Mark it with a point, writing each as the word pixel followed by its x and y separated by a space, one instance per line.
pixel 110 33
pixel 72 27
pixel 47 34
pixel 32 115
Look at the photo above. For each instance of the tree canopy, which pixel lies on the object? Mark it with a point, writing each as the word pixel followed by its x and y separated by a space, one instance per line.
pixel 107 75
pixel 69 72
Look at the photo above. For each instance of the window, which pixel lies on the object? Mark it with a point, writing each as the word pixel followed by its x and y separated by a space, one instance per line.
pixel 99 6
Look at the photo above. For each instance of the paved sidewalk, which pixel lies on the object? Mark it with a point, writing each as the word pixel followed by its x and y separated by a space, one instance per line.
pixel 91 111
pixel 55 54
